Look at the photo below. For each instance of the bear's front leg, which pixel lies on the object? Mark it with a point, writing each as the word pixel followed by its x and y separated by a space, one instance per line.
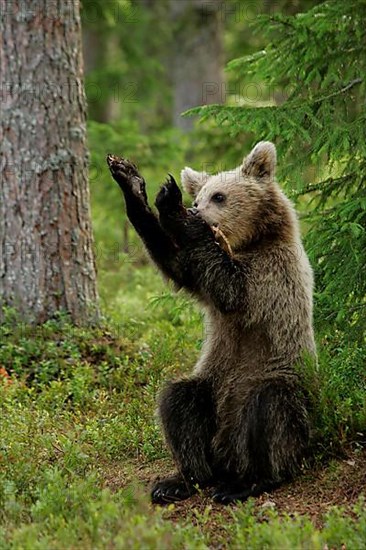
pixel 159 244
pixel 208 269
pixel 127 176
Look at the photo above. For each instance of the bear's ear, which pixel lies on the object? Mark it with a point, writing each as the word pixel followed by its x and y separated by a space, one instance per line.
pixel 261 161
pixel 192 181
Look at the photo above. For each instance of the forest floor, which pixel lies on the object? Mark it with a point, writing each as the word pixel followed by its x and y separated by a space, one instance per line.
pixel 339 483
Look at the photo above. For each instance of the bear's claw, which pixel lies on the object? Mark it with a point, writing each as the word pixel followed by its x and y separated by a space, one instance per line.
pixel 169 197
pixel 171 489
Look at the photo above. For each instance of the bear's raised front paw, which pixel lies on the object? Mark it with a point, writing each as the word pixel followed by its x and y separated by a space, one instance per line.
pixel 127 176
pixel 169 198
pixel 171 489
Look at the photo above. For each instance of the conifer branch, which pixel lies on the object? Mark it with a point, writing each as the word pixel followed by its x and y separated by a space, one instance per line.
pixel 339 92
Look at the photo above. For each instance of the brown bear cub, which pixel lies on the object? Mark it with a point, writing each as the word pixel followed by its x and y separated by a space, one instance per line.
pixel 240 423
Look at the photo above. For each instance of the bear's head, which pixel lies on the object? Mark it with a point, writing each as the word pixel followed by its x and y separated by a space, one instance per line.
pixel 239 202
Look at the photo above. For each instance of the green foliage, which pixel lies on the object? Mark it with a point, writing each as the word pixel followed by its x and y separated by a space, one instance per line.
pixel 40 354
pixel 269 530
pixel 336 391
pixel 125 59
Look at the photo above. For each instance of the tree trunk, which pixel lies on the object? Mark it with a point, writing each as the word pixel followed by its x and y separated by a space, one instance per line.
pixel 198 57
pixel 46 248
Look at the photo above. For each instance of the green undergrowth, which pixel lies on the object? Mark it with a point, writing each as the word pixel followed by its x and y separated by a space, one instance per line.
pixel 59 442
pixel 78 514
pixel 77 408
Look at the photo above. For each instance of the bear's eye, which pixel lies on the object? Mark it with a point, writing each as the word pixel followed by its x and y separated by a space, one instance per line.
pixel 218 197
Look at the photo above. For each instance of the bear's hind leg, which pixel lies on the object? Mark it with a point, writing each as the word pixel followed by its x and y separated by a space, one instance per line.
pixel 264 444
pixel 187 412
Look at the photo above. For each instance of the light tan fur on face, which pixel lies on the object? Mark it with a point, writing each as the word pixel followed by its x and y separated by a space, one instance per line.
pixel 252 197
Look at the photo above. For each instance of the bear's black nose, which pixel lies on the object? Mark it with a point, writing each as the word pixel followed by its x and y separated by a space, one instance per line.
pixel 193 210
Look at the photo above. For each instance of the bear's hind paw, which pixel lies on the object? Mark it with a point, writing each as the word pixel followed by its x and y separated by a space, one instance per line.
pixel 172 489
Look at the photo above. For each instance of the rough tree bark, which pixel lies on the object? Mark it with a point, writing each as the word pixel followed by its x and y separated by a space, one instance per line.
pixel 197 56
pixel 46 249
